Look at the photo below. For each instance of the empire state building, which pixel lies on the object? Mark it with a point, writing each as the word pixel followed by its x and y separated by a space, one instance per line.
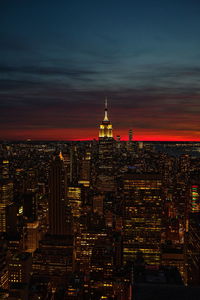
pixel 105 178
pixel 105 130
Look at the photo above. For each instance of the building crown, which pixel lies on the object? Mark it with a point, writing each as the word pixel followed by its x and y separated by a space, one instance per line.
pixel 106 126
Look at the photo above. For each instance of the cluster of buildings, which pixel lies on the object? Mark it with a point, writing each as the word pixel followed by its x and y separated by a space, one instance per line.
pixel 104 219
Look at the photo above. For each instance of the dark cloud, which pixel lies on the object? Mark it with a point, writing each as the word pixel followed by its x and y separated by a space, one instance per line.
pixel 49 71
pixel 47 106
pixel 48 97
pixel 9 85
pixel 13 43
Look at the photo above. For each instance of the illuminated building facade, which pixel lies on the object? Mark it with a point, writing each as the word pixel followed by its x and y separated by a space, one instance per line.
pixel 143 205
pixel 6 197
pixel 5 169
pixel 195 198
pixel 85 169
pixel 33 236
pixel 84 244
pixel 65 156
pixel 19 268
pixel 74 200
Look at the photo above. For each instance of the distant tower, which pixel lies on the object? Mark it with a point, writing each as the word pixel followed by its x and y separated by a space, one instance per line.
pixel 118 139
pixel 130 135
pixel 105 178
pixel 106 126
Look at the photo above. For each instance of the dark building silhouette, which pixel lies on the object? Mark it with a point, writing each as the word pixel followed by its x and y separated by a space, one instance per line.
pixel 193 249
pixel 30 206
pixel 57 197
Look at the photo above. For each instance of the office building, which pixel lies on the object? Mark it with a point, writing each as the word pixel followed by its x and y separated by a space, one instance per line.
pixel 143 211
pixel 57 197
pixel 6 197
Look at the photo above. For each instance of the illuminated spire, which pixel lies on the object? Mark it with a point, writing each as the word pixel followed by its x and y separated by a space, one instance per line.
pixel 106 126
pixel 106 110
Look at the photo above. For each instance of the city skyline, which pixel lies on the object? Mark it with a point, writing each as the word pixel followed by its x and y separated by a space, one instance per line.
pixel 59 62
pixel 99 220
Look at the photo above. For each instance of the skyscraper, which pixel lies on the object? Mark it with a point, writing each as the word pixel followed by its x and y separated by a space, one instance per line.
pixel 105 180
pixel 143 204
pixel 106 126
pixel 54 257
pixel 193 249
pixel 6 197
pixel 57 197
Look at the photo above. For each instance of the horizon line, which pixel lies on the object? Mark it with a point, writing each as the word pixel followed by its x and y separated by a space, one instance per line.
pixel 94 139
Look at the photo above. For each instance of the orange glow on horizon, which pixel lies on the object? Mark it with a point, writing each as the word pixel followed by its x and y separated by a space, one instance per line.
pixel 75 134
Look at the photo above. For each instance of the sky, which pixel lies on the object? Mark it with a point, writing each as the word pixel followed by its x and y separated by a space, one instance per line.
pixel 60 59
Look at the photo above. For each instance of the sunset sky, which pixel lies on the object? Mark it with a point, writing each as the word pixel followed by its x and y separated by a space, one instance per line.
pixel 60 59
